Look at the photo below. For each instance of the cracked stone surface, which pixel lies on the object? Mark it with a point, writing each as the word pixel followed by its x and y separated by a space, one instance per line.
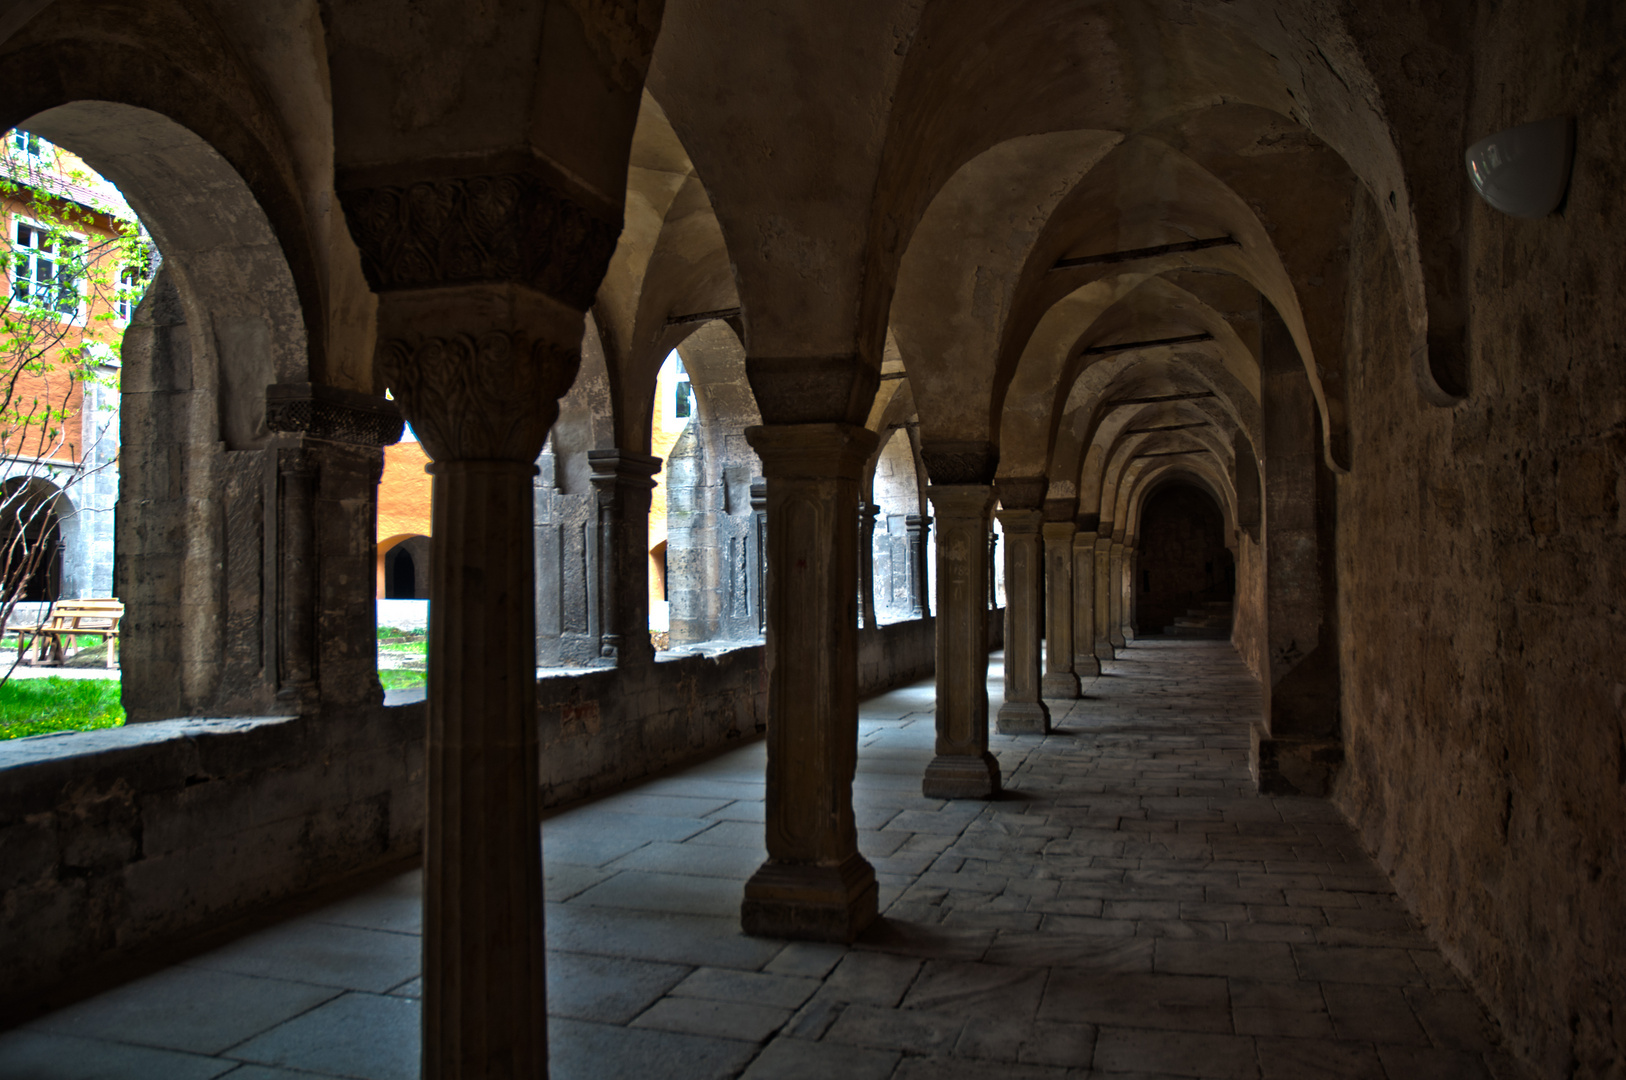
pixel 1128 908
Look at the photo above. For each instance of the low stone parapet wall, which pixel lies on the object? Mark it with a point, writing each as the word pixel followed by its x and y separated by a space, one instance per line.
pixel 116 842
pixel 603 729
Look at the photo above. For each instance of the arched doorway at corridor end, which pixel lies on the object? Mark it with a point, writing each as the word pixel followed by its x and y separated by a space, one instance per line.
pixel 1185 566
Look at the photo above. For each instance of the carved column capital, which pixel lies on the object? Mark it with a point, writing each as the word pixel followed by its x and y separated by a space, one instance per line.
pixel 812 451
pixel 512 223
pixel 491 395
pixel 1019 522
pixel 1021 492
pixel 614 469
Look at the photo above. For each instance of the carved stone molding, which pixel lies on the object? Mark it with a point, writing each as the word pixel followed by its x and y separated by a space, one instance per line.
pixel 479 230
pixel 621 34
pixel 490 396
pixel 324 412
pixel 812 451
pixel 1021 492
pixel 959 462
pixel 812 389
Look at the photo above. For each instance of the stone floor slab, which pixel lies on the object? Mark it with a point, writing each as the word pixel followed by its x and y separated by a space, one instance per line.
pixel 357 1035
pixel 192 1009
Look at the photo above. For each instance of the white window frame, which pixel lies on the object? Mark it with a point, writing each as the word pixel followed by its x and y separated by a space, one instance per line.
pixel 18 222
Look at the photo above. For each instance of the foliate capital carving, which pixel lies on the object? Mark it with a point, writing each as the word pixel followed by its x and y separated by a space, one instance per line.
pixel 479 397
pixel 508 228
pixel 960 462
pixel 1021 492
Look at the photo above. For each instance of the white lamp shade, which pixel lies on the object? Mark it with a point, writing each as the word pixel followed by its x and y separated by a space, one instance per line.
pixel 1524 170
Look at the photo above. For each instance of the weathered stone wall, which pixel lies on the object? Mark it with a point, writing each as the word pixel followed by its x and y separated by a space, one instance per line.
pixel 1482 568
pixel 115 842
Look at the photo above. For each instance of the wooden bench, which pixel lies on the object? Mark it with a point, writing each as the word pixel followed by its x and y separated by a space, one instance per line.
pixel 64 623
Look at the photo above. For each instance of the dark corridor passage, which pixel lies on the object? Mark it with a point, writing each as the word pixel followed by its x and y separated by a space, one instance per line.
pixel 1184 561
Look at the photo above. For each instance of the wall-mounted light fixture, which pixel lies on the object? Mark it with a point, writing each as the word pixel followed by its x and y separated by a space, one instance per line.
pixel 1524 170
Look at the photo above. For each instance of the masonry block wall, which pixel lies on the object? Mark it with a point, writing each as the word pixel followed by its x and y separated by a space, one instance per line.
pixel 114 843
pixel 1482 567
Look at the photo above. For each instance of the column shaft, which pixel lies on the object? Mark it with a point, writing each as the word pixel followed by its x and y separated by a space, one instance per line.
pixel 1084 659
pixel 815 884
pixel 1131 571
pixel 1103 597
pixel 1060 681
pixel 1115 577
pixel 1024 710
pixel 484 1009
pixel 963 767
pixel 866 563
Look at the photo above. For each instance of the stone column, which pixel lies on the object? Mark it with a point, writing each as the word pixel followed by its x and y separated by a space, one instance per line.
pixel 815 885
pixel 1103 596
pixel 1115 578
pixel 759 531
pixel 329 459
pixel 1060 681
pixel 917 527
pixel 993 571
pixel 963 767
pixel 622 485
pixel 1131 568
pixel 866 562
pixel 1084 660
pixel 1024 711
pixel 1296 747
pixel 478 343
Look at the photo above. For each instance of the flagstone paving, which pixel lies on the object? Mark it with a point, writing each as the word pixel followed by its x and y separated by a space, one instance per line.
pixel 1129 909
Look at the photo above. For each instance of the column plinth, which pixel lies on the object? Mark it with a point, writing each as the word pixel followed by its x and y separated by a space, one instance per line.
pixel 963 767
pixel 1023 711
pixel 1060 680
pixel 814 885
pixel 1085 662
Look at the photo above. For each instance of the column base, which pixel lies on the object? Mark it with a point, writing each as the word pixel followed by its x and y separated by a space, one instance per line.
pixel 961 776
pixel 809 902
pixel 1086 665
pixel 1282 766
pixel 1103 651
pixel 1118 641
pixel 1060 685
pixel 1022 718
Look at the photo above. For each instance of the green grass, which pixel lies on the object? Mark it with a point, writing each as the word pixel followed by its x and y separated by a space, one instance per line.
pixel 403 680
pixel 37 706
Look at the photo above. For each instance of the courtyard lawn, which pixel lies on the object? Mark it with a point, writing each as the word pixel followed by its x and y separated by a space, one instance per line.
pixel 38 706
pixel 402 658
